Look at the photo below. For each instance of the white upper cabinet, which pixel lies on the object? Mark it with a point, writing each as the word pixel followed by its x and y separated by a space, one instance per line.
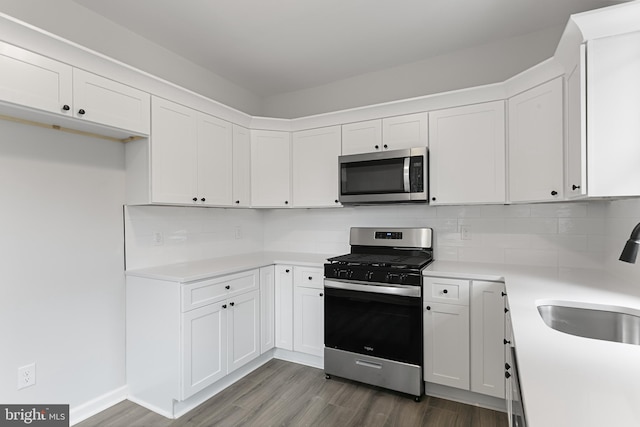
pixel 214 161
pixel 467 154
pixel 270 168
pixel 174 150
pixel 35 81
pixel 315 167
pixel 42 84
pixel 104 101
pixel 362 137
pixel 392 133
pixel 191 156
pixel 613 116
pixel 241 167
pixel 408 131
pixel 536 144
pixel 576 161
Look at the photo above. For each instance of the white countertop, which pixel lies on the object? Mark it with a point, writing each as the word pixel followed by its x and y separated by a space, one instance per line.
pixel 566 380
pixel 203 269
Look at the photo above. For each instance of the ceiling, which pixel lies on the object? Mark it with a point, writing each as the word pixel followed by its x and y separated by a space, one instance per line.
pixel 277 46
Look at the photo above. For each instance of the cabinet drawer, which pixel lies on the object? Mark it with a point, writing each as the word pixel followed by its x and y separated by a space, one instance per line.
pixel 309 277
pixel 451 291
pixel 199 294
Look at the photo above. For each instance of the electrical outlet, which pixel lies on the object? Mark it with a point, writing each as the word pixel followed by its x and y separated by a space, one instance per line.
pixel 238 232
pixel 27 376
pixel 158 238
pixel 465 232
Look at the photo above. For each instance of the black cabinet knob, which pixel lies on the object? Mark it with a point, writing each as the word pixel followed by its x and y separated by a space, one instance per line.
pixel 65 107
pixel 505 341
pixel 237 202
pixel 428 307
pixel 321 294
pixel 385 146
pixel 445 291
pixel 575 187
pixel 81 112
pixel 227 287
pixel 506 310
pixel 507 366
pixel 203 199
pixel 310 278
pixel 433 198
pixel 286 271
pixel 336 201
pixel 286 202
pixel 554 193
pixel 507 375
pixel 224 305
pixel 503 294
pixel 232 304
pixel 377 147
pixel 195 199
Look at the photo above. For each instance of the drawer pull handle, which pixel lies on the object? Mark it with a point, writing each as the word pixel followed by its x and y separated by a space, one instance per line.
pixel 503 294
pixel 232 304
pixel 224 306
pixel 445 291
pixel 368 364
pixel 505 341
pixel 227 287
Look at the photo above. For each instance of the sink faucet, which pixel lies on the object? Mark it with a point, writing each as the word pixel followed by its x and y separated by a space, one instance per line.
pixel 630 251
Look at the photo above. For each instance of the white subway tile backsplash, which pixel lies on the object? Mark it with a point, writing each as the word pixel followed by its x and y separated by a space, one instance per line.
pixel 537 257
pixel 490 255
pixel 459 211
pixel 559 210
pixel 504 240
pixel 531 225
pixel 506 211
pixel 581 225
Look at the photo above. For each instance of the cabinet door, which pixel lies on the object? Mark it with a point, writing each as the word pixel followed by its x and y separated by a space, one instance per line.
pixel 100 100
pixel 362 137
pixel 173 153
pixel 315 167
pixel 204 348
pixel 244 329
pixel 241 167
pixel 408 131
pixel 487 333
pixel 467 154
pixel 284 307
pixel 214 160
pixel 34 81
pixel 308 322
pixel 577 129
pixel 267 308
pixel 536 144
pixel 270 168
pixel 446 344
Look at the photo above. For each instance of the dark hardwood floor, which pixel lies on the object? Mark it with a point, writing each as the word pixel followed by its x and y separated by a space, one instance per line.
pixel 287 394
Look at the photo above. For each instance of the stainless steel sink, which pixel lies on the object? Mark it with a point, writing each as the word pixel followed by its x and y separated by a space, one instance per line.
pixel 595 322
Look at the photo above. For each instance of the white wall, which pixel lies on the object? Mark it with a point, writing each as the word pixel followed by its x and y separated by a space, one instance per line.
pixel 555 235
pixel 490 63
pixel 189 234
pixel 74 22
pixel 61 244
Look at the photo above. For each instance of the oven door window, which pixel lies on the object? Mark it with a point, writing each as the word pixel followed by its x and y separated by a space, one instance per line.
pixel 380 325
pixel 373 177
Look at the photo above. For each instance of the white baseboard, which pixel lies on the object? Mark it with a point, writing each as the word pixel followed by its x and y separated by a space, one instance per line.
pixel 465 396
pixel 99 404
pixel 299 358
pixel 149 406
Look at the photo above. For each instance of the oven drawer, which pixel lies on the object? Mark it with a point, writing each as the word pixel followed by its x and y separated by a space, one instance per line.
pixel 199 294
pixel 308 277
pixel 450 291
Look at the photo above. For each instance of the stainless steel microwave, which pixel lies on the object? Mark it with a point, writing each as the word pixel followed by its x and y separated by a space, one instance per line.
pixel 384 177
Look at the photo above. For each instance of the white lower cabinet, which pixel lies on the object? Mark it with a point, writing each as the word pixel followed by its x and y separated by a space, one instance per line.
pixel 267 309
pixel 308 311
pixel 284 306
pixel 183 337
pixel 463 335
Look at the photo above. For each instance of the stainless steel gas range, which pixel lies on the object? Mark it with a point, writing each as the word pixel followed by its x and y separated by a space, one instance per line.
pixel 373 308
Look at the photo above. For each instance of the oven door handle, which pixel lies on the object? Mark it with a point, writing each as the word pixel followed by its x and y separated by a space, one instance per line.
pixel 408 291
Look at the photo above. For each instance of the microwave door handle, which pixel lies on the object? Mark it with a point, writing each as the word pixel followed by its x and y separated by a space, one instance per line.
pixel 407 182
